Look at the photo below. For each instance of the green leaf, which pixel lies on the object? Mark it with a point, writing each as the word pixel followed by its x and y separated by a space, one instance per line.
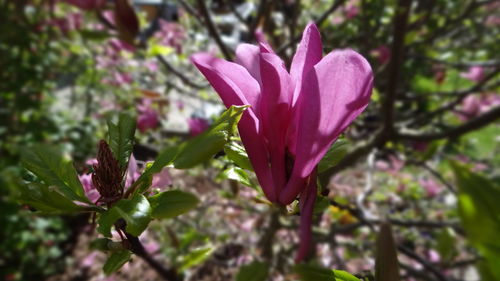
pixel 256 271
pixel 309 272
pixel 333 156
pixel 204 146
pixel 196 150
pixel 46 199
pixel 121 138
pixel 136 212
pixel 386 259
pixel 479 212
pixel 172 203
pixel 116 261
pixel 95 35
pixel 321 204
pixel 50 166
pixel 446 241
pixel 157 49
pixel 195 257
pixel 341 275
pixel 100 244
pixel 238 155
pixel 237 174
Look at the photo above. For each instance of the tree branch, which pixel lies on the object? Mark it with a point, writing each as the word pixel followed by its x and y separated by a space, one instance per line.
pixel 318 22
pixel 188 81
pixel 212 29
pixel 474 124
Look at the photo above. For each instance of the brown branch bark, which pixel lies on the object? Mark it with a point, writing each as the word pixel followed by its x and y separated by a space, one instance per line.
pixel 474 124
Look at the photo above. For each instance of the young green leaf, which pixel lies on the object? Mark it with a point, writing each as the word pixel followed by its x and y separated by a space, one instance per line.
pixel 308 272
pixel 172 203
pixel 49 165
pixel 238 155
pixel 204 146
pixel 196 257
pixel 136 212
pixel 237 174
pixel 480 215
pixel 121 138
pixel 256 271
pixel 116 261
pixel 334 155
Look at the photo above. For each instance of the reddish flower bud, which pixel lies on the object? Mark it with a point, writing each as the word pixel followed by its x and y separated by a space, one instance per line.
pixel 107 176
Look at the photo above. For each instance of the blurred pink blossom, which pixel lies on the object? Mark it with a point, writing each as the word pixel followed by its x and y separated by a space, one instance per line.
pixel 162 179
pixel 434 256
pixel 180 105
pixel 171 34
pixel 151 66
pixel 474 105
pixel 382 53
pixel 432 188
pixel 197 125
pixel 89 260
pixel 351 9
pixel 474 74
pixel 148 117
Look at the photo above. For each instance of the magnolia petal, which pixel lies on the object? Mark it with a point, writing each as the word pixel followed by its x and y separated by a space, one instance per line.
pixel 306 204
pixel 309 53
pixel 277 90
pixel 224 75
pixel 247 55
pixel 264 45
pixel 220 74
pixel 333 94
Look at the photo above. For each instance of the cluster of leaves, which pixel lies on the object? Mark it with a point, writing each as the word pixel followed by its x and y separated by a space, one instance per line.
pixel 56 188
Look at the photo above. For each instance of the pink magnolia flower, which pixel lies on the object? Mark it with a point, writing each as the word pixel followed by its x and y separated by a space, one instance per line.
pixel 474 74
pixel 197 125
pixel 295 115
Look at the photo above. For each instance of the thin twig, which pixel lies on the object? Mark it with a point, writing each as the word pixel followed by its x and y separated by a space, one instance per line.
pixel 212 29
pixel 474 124
pixel 137 248
pixel 188 81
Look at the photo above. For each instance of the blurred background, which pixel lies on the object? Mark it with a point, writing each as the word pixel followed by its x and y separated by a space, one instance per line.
pixel 425 154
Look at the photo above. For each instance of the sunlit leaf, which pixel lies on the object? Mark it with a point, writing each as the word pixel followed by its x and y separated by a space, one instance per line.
pixel 256 271
pixel 49 165
pixel 172 203
pixel 238 155
pixel 116 261
pixel 334 155
pixel 121 138
pixel 136 212
pixel 195 257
